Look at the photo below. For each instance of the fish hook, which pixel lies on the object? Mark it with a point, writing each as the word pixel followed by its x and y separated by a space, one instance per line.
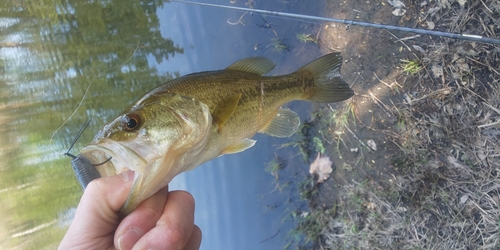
pixel 80 132
pixel 85 171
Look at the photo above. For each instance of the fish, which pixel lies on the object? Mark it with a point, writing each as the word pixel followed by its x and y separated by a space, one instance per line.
pixel 192 119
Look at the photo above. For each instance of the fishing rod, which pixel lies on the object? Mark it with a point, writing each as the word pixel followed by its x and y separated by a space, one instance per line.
pixel 468 37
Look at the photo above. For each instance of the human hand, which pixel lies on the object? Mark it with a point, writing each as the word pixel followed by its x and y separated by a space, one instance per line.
pixel 163 221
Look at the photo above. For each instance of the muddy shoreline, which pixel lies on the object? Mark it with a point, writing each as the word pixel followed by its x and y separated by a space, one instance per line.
pixel 430 105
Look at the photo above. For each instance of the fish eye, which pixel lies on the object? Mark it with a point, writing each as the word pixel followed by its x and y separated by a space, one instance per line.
pixel 131 121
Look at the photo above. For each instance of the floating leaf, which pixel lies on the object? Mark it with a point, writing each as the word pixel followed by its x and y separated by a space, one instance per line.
pixel 322 166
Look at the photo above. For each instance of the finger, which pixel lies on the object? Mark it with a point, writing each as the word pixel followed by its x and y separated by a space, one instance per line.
pixel 141 220
pixel 104 197
pixel 98 208
pixel 110 189
pixel 174 227
pixel 194 241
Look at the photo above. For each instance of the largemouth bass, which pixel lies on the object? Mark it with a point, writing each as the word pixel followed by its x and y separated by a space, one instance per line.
pixel 192 119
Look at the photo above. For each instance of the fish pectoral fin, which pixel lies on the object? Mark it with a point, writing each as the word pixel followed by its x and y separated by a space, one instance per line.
pixel 255 65
pixel 284 124
pixel 239 147
pixel 224 110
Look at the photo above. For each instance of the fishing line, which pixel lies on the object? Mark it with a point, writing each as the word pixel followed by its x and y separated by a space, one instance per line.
pixel 83 98
pixel 468 37
pixel 359 29
pixel 80 132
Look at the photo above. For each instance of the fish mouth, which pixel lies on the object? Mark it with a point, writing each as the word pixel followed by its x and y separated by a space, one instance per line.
pixel 151 171
pixel 111 158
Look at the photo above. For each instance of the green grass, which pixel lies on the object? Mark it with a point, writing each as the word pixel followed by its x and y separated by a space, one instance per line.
pixel 318 145
pixel 304 140
pixel 308 188
pixel 310 227
pixel 276 165
pixel 341 117
pixel 411 67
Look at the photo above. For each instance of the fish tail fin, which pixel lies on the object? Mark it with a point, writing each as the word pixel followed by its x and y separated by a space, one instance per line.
pixel 328 83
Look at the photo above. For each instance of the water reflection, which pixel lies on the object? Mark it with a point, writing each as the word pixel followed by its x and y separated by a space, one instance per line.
pixel 50 51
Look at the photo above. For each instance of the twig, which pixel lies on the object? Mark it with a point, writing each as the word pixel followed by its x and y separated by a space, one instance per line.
pixel 486 6
pixel 386 84
pixel 270 238
pixel 478 62
pixel 357 138
pixel 399 40
pixel 493 123
pixel 444 91
pixel 408 38
pixel 381 104
pixel 240 21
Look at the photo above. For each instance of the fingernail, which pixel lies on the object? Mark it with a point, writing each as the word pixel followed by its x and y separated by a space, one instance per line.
pixel 127 176
pixel 129 238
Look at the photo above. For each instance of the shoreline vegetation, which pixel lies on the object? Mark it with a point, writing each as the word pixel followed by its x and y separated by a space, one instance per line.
pixel 432 181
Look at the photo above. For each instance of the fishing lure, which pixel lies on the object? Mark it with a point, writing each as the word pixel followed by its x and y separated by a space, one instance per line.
pixel 85 171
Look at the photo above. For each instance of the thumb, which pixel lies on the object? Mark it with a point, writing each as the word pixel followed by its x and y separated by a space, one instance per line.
pixel 107 195
pixel 96 216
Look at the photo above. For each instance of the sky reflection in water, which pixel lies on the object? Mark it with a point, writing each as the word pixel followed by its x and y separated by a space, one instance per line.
pixel 46 75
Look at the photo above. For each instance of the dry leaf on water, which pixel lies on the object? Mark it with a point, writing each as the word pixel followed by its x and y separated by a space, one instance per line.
pixel 322 166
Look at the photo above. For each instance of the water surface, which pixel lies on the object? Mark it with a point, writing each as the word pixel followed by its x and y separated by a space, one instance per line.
pixel 52 50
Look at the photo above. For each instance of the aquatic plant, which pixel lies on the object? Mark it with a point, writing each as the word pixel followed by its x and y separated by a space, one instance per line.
pixel 278 45
pixel 304 38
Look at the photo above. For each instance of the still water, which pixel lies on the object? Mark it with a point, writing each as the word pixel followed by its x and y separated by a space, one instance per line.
pixel 52 51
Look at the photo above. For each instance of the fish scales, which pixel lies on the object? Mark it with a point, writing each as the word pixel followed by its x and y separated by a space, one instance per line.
pixel 213 88
pixel 195 118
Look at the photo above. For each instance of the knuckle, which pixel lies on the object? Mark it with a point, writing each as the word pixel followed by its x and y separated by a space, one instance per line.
pixel 177 234
pixel 96 187
pixel 153 212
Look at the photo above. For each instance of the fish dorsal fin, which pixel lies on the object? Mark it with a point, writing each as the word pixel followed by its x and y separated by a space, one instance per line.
pixel 239 147
pixel 224 110
pixel 284 124
pixel 256 65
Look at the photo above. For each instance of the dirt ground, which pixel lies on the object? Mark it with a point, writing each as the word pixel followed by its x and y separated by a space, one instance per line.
pixel 415 151
pixel 372 65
